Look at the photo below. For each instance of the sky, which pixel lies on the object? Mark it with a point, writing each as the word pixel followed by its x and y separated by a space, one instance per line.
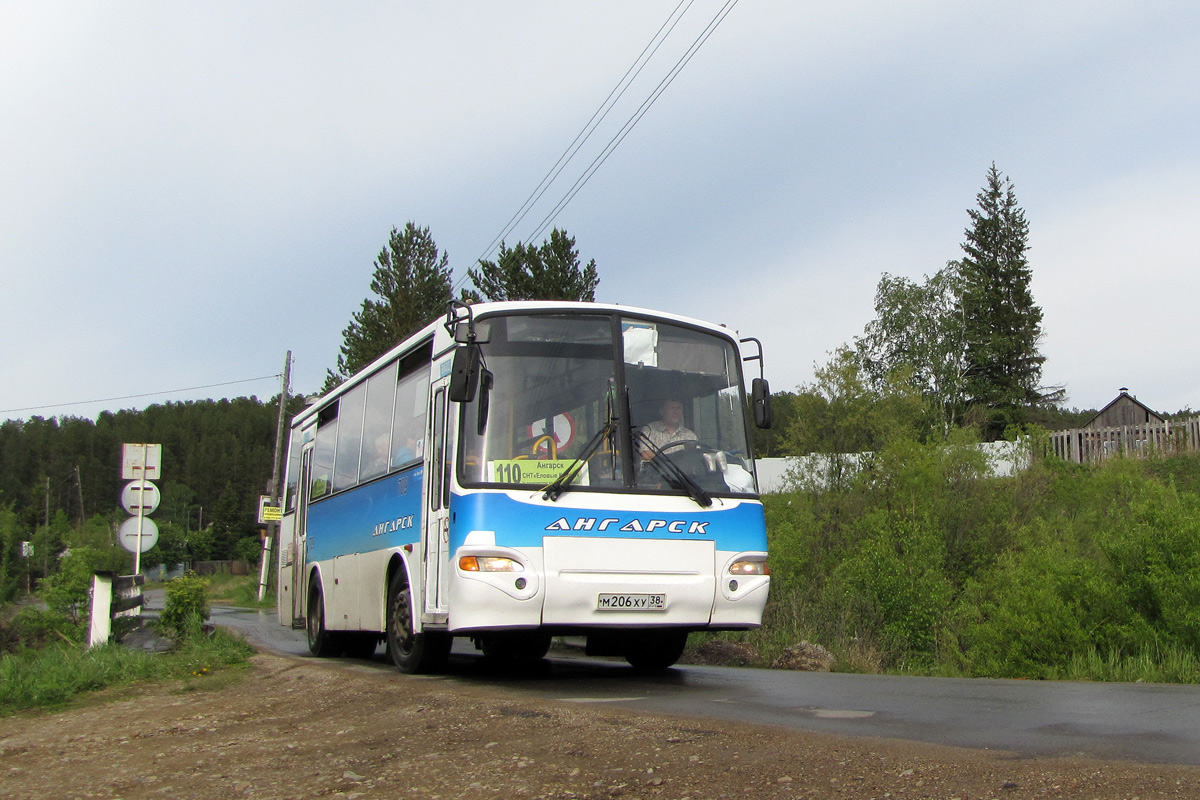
pixel 190 190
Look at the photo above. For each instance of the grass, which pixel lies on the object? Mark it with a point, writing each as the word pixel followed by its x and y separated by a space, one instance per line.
pixel 55 675
pixel 238 590
pixel 1171 665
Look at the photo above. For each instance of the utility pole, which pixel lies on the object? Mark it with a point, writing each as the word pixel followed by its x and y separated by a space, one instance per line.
pixel 46 549
pixel 273 486
pixel 79 485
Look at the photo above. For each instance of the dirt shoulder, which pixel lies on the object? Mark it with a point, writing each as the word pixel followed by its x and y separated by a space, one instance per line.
pixel 300 728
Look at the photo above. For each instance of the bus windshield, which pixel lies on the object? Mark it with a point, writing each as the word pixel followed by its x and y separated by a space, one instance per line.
pixel 606 402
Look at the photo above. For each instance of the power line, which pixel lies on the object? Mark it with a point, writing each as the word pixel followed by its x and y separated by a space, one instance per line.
pixel 598 116
pixel 636 116
pixel 136 396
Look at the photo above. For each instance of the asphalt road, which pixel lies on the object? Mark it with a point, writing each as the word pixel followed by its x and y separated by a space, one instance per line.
pixel 1137 722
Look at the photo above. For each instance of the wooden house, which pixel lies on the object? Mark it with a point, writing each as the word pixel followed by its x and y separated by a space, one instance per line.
pixel 1125 410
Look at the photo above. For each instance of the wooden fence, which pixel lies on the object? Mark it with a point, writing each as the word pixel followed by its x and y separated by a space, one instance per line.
pixel 1133 441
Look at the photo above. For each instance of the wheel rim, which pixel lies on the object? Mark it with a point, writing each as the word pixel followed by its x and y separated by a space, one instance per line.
pixel 315 612
pixel 402 634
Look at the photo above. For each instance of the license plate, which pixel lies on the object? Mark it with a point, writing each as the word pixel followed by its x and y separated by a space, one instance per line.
pixel 631 602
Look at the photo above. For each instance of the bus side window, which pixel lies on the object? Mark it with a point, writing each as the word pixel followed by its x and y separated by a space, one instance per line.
pixel 377 423
pixel 349 439
pixel 322 469
pixel 408 423
pixel 293 470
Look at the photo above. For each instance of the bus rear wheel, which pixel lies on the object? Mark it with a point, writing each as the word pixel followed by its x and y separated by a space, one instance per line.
pixel 410 651
pixel 654 651
pixel 322 643
pixel 360 644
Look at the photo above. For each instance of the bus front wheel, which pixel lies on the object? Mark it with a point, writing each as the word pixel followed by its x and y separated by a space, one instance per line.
pixel 515 645
pixel 654 651
pixel 410 651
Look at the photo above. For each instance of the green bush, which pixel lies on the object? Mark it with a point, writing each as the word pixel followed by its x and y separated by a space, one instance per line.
pixel 68 593
pixel 924 562
pixel 32 629
pixel 895 581
pixel 186 607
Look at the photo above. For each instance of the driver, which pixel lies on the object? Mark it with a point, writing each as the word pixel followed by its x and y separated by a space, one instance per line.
pixel 666 430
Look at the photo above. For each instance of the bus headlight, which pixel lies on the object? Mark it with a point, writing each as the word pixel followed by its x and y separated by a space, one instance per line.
pixel 749 567
pixel 489 564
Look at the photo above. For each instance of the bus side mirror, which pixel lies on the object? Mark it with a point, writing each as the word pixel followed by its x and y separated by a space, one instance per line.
pixel 464 373
pixel 760 400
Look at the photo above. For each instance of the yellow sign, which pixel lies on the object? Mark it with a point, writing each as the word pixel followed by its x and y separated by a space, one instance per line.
pixel 268 512
pixel 539 471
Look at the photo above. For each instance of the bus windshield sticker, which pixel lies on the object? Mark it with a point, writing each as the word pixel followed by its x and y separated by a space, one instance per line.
pixel 539 471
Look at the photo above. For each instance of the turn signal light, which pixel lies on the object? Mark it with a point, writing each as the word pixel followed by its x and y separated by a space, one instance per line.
pixel 489 564
pixel 749 568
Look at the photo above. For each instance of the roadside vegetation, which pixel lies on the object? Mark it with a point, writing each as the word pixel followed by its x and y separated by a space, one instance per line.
pixel 238 590
pixel 44 663
pixel 896 548
pixel 922 563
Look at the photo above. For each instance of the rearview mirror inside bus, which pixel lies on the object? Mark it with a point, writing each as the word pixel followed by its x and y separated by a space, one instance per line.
pixel 464 373
pixel 463 333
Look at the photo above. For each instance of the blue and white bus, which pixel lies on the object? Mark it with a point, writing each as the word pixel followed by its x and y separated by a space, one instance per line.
pixel 504 475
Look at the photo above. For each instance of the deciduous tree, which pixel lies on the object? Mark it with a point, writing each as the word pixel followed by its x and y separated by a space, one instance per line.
pixel 918 329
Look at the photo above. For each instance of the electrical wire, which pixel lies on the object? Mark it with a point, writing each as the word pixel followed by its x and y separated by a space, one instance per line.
pixel 601 113
pixel 136 396
pixel 636 117
pixel 598 116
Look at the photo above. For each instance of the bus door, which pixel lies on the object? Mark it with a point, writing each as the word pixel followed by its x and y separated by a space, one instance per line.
pixel 436 532
pixel 300 539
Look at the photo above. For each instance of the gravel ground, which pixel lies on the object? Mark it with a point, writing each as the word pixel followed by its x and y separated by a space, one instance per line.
pixel 302 728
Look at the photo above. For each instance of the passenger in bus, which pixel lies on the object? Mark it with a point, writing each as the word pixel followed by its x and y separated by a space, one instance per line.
pixel 375 457
pixel 666 430
pixel 406 452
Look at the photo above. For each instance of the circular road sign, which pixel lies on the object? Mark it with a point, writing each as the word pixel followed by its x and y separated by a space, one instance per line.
pixel 136 494
pixel 128 535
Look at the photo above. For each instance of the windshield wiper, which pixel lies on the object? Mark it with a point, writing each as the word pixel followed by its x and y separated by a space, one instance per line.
pixel 563 481
pixel 673 473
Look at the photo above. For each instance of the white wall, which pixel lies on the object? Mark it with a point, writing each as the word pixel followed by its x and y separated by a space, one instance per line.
pixel 1005 459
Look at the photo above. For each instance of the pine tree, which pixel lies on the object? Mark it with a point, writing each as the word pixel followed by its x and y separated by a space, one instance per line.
pixel 1003 325
pixel 548 272
pixel 412 286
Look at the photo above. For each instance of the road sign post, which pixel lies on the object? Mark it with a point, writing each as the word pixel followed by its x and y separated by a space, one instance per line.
pixel 140 463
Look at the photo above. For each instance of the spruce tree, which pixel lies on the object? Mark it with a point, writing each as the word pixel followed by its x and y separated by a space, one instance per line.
pixel 1003 325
